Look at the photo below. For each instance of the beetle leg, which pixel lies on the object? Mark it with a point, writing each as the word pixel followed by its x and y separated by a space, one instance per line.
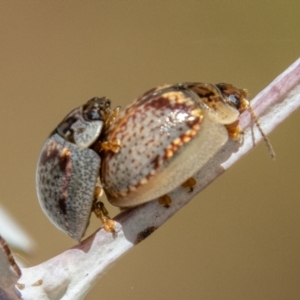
pixel 165 201
pixel 234 130
pixel 113 146
pixel 101 212
pixel 190 183
pixel 98 190
pixel 111 116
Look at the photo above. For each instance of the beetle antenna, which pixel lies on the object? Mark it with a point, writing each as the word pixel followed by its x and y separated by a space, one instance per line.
pixel 267 141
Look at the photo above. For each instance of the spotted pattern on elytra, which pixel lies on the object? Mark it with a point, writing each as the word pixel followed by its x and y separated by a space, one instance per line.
pixel 167 135
pixel 155 128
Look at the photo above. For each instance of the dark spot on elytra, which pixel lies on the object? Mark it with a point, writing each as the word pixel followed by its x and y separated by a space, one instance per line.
pixel 155 162
pixel 63 161
pixel 144 234
pixel 160 103
pixel 204 91
pixel 47 156
pixel 62 205
pixel 149 142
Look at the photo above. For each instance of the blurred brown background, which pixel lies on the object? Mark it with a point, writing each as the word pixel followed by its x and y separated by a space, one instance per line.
pixel 239 239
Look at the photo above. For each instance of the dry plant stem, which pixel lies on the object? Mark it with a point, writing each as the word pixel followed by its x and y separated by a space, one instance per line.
pixel 72 273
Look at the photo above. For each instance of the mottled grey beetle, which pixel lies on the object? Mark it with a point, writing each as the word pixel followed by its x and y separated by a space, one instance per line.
pixel 68 170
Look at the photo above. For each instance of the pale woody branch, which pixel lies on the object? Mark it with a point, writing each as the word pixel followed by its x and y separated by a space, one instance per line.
pixel 72 273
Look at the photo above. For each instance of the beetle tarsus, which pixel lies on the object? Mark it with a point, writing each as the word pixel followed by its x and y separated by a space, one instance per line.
pixel 102 213
pixel 113 146
pixel 165 201
pixel 111 116
pixel 189 183
pixel 234 130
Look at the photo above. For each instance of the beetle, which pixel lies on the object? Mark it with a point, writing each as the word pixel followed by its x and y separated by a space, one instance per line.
pixel 68 168
pixel 167 135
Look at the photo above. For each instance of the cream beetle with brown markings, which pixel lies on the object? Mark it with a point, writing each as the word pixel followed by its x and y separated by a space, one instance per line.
pixel 167 135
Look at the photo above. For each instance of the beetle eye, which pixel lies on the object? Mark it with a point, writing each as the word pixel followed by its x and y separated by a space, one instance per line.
pixel 234 101
pixel 92 115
